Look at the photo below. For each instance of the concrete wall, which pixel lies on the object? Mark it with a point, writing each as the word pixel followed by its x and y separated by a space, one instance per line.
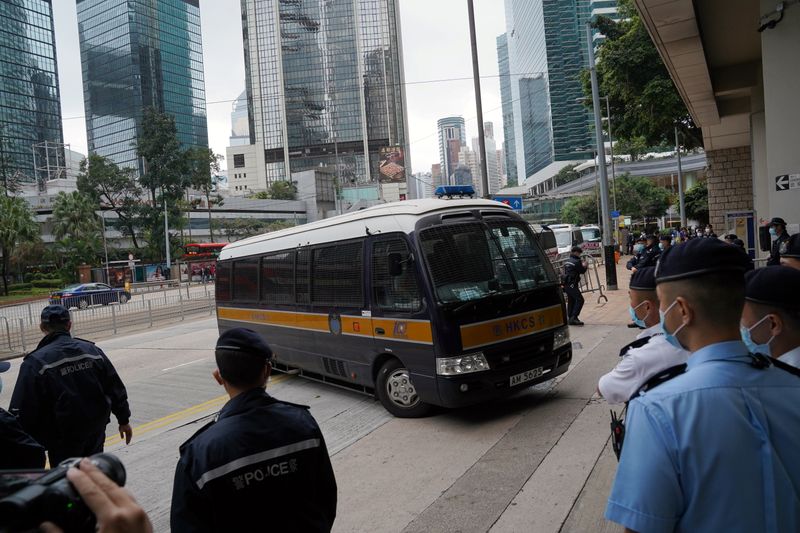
pixel 730 183
pixel 781 70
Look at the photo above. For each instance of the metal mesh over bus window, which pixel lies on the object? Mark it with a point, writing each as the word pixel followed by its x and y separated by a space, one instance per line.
pixel 223 282
pixel 245 276
pixel 457 253
pixel 394 293
pixel 336 278
pixel 277 278
pixel 301 276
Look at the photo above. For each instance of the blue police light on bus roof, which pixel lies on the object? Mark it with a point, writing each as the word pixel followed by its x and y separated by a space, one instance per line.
pixel 455 190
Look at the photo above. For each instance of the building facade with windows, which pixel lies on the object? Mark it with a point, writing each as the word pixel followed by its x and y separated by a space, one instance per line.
pixel 137 54
pixel 547 50
pixel 240 124
pixel 452 136
pixel 325 86
pixel 504 71
pixel 30 108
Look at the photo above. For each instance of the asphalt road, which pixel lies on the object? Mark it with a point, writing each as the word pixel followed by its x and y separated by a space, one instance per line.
pixel 539 461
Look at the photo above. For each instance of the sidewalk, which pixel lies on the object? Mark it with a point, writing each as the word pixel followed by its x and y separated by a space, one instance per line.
pixel 614 312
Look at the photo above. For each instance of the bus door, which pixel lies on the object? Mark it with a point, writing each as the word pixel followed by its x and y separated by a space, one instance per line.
pixel 401 324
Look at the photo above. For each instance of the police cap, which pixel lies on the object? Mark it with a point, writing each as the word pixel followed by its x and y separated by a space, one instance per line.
pixel 777 221
pixel 665 237
pixel 699 257
pixel 775 285
pixel 55 314
pixel 576 250
pixel 644 279
pixel 245 341
pixel 792 247
pixel 651 237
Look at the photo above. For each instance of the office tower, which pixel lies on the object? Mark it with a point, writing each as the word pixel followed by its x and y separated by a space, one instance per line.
pixel 510 156
pixel 240 125
pixel 492 169
pixel 546 43
pixel 436 175
pixel 325 87
pixel 452 136
pixel 137 54
pixel 30 109
pixel 602 8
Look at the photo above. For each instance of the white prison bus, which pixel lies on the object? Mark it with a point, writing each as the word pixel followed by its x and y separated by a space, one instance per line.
pixel 423 302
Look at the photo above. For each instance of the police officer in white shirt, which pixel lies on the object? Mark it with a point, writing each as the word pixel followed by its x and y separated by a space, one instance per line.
pixel 649 354
pixel 771 317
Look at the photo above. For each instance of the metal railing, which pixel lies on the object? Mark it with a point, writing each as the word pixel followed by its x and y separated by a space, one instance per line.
pixel 590 280
pixel 19 333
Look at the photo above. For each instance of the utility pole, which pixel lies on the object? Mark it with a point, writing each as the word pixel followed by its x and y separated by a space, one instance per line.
pixel 681 197
pixel 608 248
pixel 478 102
pixel 166 228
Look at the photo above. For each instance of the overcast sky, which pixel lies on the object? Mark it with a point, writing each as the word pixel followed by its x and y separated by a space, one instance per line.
pixel 435 47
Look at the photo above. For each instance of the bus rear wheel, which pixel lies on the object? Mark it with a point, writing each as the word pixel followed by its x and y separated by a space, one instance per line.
pixel 397 393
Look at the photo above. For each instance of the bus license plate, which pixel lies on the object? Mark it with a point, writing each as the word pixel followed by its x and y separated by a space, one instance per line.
pixel 526 376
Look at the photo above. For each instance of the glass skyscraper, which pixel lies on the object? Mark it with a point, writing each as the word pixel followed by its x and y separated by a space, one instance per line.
pixel 137 54
pixel 508 109
pixel 325 86
pixel 546 42
pixel 452 136
pixel 30 109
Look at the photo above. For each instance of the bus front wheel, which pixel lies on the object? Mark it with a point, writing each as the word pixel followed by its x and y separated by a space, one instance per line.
pixel 397 393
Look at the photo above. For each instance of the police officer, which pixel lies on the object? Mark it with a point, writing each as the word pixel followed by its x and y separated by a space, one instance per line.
pixel 791 257
pixel 262 461
pixel 771 316
pixel 66 390
pixel 650 353
pixel 777 229
pixel 17 449
pixel 574 266
pixel 715 448
pixel 664 243
pixel 650 254
pixel 638 250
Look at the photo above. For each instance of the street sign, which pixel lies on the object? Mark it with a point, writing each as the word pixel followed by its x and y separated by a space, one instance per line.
pixel 785 182
pixel 614 214
pixel 515 202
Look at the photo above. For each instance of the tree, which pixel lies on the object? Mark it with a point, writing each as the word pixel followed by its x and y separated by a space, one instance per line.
pixel 566 175
pixel 17 225
pixel 696 202
pixel 282 190
pixel 164 175
pixel 643 99
pixel 634 147
pixel 640 197
pixel 114 188
pixel 203 165
pixel 77 230
pixel 580 210
pixel 260 195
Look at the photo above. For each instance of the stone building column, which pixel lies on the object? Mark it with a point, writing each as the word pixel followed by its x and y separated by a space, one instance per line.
pixel 730 183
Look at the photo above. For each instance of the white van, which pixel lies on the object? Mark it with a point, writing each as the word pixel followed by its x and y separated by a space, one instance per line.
pixel 567 236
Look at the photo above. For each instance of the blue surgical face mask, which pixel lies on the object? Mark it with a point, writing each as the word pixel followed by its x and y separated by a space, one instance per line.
pixel 661 246
pixel 773 231
pixel 751 344
pixel 639 248
pixel 636 320
pixel 671 337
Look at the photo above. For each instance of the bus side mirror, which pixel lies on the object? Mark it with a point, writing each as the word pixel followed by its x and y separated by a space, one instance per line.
pixel 395 261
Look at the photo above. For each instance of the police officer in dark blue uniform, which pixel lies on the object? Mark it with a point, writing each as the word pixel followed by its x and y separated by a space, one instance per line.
pixel 17 449
pixel 777 229
pixel 574 267
pixel 66 390
pixel 262 464
pixel 791 257
pixel 651 253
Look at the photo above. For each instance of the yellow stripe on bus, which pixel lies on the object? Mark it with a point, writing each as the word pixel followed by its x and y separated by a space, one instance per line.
pixel 511 327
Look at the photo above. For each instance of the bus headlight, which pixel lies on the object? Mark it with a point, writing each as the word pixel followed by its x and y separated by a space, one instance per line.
pixel 463 364
pixel 560 338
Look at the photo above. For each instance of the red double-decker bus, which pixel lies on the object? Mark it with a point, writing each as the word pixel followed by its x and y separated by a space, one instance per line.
pixel 202 250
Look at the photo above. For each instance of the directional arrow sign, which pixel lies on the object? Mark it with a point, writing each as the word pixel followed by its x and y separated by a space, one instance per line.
pixel 782 183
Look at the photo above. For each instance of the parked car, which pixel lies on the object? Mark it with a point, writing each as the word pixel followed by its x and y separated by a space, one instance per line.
pixel 82 295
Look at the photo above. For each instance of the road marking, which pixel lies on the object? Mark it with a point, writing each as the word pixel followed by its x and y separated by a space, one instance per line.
pixel 184 364
pixel 147 427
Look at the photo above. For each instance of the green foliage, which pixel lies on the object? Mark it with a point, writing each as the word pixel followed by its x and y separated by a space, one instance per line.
pixel 566 175
pixel 260 195
pixel 640 197
pixel 241 228
pixel 282 190
pixel 47 283
pixel 203 166
pixel 634 147
pixel 643 99
pixel 78 230
pixel 580 210
pixel 696 202
pixel 115 189
pixel 17 226
pixel 19 287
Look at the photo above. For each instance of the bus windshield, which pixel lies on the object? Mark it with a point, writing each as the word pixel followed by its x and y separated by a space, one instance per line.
pixel 473 260
pixel 590 234
pixel 563 238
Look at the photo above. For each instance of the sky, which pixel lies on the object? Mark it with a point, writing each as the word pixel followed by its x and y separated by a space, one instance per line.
pixel 436 46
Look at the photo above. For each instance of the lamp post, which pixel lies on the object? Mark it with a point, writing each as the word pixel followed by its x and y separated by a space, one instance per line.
pixel 608 248
pixel 681 196
pixel 478 102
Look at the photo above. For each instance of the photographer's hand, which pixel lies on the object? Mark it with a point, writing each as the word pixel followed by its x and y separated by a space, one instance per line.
pixel 114 507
